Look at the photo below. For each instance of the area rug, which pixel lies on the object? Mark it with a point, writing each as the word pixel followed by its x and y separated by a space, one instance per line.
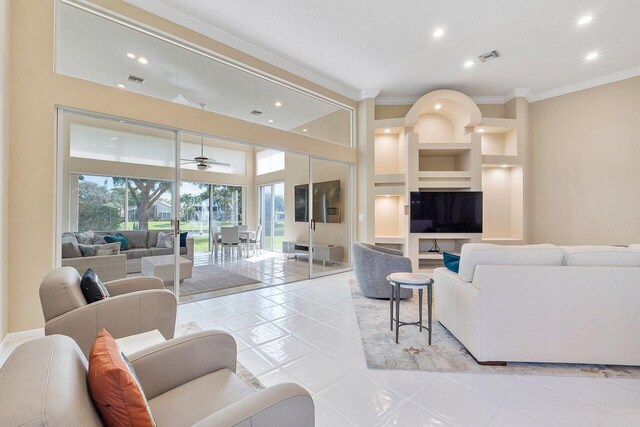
pixel 446 353
pixel 245 375
pixel 209 278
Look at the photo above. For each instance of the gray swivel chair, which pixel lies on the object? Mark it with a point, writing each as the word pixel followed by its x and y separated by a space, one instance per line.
pixel 372 264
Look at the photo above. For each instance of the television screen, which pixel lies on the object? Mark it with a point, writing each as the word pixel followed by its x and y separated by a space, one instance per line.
pixel 446 212
pixel 326 202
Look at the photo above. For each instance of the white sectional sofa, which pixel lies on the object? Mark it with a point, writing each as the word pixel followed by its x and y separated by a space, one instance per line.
pixel 544 303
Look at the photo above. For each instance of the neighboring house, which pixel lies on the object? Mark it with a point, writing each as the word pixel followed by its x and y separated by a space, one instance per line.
pixel 159 211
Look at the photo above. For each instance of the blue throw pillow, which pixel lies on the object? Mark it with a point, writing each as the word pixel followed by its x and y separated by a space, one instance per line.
pixel 118 237
pixel 451 261
pixel 183 239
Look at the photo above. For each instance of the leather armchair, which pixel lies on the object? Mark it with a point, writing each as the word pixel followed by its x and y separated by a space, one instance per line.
pixel 188 381
pixel 136 305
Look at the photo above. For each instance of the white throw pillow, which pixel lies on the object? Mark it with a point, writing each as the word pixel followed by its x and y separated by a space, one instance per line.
pixel 165 239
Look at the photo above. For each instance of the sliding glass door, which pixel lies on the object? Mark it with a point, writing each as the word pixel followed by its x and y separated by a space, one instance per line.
pixel 272 206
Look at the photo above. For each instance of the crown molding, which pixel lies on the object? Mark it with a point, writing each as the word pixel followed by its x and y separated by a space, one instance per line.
pixel 518 93
pixel 397 100
pixel 587 84
pixel 371 93
pixel 488 99
pixel 181 18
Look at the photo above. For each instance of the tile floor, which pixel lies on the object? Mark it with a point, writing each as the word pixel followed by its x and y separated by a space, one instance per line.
pixel 306 332
pixel 270 268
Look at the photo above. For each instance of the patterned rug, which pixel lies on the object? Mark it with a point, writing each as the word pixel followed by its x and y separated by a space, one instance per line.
pixel 245 375
pixel 207 278
pixel 446 353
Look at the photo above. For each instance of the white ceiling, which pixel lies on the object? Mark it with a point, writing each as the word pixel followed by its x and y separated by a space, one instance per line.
pixel 353 46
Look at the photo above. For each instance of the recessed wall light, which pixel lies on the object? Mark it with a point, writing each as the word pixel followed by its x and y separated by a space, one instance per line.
pixel 439 32
pixel 131 55
pixel 121 86
pixel 387 130
pixel 438 106
pixel 504 166
pixel 304 130
pixel 585 20
pixel 480 130
pixel 591 56
pixel 278 104
pixel 270 121
pixel 143 60
pixel 468 64
pixel 387 195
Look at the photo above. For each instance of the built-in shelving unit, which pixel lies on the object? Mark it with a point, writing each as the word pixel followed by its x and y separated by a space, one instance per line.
pixel 444 144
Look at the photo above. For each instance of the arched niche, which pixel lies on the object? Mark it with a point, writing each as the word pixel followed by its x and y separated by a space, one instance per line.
pixel 442 116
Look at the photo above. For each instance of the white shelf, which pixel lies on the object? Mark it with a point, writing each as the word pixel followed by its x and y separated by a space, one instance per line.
pixel 493 161
pixel 443 149
pixel 431 255
pixel 397 240
pixel 497 125
pixel 445 179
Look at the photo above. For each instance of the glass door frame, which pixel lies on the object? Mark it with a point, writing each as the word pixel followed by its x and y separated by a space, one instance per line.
pixel 348 200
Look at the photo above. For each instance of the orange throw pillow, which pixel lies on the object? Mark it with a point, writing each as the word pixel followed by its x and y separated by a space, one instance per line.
pixel 114 387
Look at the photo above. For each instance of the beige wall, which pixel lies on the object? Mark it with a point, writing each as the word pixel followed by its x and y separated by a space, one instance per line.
pixel 585 157
pixel 36 91
pixel 396 111
pixel 4 164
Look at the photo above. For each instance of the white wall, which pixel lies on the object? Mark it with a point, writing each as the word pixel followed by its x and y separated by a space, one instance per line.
pixel 4 164
pixel 585 152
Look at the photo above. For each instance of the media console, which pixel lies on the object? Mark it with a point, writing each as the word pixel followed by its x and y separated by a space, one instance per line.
pixel 321 252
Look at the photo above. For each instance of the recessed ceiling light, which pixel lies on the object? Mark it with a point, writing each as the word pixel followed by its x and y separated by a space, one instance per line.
pixel 591 56
pixel 304 130
pixel 121 86
pixel 278 104
pixel 131 55
pixel 270 121
pixel 585 20
pixel 387 130
pixel 468 64
pixel 143 60
pixel 504 166
pixel 110 146
pixel 115 138
pixel 480 130
pixel 439 32
pixel 438 106
pixel 121 121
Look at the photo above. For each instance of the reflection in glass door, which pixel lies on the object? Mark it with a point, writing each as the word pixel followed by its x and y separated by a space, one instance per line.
pixel 272 216
pixel 330 216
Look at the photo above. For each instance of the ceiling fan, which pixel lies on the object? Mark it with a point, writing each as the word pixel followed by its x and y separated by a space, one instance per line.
pixel 202 162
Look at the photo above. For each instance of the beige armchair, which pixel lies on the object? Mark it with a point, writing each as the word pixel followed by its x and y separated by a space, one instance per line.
pixel 136 305
pixel 188 381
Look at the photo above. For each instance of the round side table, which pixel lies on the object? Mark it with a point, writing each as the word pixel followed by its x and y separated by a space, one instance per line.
pixel 409 281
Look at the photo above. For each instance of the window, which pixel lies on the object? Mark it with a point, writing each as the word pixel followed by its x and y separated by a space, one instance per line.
pixel 268 161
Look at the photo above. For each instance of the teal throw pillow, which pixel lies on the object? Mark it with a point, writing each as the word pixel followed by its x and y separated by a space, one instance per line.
pixel 451 261
pixel 118 237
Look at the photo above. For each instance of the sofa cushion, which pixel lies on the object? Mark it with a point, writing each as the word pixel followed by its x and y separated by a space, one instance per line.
pixel 100 250
pixel 118 237
pixel 70 248
pixel 474 254
pixel 191 402
pixel 114 387
pixel 89 238
pixel 600 256
pixel 161 251
pixel 137 239
pixel 137 253
pixel 92 287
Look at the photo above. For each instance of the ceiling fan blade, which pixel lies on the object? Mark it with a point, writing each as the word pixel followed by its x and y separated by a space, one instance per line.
pixel 217 163
pixel 187 161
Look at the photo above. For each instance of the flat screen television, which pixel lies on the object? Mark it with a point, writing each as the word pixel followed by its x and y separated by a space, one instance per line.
pixel 326 202
pixel 446 212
